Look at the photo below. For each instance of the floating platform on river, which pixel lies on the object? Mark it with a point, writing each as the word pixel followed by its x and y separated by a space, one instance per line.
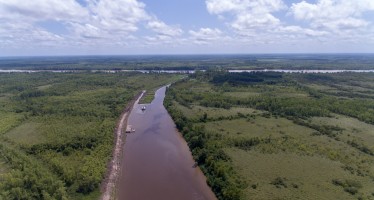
pixel 129 129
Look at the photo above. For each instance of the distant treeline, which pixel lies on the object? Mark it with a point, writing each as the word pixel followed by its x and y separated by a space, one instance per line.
pixel 191 62
pixel 246 78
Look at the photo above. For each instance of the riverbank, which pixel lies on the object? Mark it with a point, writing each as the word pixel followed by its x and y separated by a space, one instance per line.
pixel 108 187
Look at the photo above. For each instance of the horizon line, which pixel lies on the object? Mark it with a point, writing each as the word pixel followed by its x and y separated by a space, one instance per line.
pixel 187 54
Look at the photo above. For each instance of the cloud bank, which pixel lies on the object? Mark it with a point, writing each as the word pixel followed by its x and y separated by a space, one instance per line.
pixel 246 25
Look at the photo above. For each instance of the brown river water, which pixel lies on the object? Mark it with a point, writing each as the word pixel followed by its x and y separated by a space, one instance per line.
pixel 157 163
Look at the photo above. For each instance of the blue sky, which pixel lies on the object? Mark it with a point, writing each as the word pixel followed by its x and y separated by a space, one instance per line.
pixel 122 27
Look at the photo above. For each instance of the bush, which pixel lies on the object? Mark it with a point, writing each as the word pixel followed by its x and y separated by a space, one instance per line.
pixel 279 182
pixel 351 190
pixel 350 186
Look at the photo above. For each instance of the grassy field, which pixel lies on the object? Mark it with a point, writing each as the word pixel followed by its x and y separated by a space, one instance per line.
pixel 299 177
pixel 28 133
pixel 195 112
pixel 294 136
pixel 56 130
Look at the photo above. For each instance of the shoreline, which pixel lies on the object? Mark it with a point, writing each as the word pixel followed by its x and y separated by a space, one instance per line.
pixel 108 185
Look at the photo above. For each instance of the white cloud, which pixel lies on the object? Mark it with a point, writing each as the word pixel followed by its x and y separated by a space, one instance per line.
pixel 111 20
pixel 39 10
pixel 248 15
pixel 166 35
pixel 23 35
pixel 114 24
pixel 248 21
pixel 206 35
pixel 117 16
pixel 98 22
pixel 333 15
pixel 256 22
pixel 238 6
pixel 18 21
pixel 87 31
pixel 300 31
pixel 163 29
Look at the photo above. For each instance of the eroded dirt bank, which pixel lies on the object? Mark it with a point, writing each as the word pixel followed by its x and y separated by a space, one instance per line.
pixel 108 187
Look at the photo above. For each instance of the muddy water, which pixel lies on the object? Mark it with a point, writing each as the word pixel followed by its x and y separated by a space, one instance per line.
pixel 157 163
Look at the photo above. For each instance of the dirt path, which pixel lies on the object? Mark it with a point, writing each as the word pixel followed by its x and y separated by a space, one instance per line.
pixel 109 184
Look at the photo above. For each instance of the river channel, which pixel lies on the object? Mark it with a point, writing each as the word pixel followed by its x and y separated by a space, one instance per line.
pixel 157 163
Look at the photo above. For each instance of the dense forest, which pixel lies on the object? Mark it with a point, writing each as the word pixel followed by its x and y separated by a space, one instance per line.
pixel 56 130
pixel 256 135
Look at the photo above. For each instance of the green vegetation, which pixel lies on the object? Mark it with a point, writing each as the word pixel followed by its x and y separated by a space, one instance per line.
pixel 56 130
pixel 254 135
pixel 349 186
pixel 279 136
pixel 147 97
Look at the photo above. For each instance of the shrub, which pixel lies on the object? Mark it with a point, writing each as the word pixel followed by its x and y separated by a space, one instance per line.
pixel 279 182
pixel 350 186
pixel 351 190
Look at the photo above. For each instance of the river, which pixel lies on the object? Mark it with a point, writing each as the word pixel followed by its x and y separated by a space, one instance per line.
pixel 157 163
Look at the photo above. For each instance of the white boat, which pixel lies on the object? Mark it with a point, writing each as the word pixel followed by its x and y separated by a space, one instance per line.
pixel 129 129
